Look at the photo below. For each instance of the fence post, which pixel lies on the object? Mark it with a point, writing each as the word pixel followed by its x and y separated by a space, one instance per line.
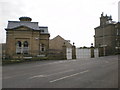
pixel 64 51
pixel 92 51
pixel 73 52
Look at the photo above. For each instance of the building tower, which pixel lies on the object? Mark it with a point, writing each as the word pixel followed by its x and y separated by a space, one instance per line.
pixel 105 35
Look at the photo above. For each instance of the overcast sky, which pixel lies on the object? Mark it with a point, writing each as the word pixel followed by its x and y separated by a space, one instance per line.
pixel 74 20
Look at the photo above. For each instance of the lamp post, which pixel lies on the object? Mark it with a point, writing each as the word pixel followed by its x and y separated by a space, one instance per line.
pixel 73 51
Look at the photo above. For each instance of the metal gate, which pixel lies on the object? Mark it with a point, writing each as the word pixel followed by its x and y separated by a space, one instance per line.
pixel 82 53
pixel 85 53
pixel 96 53
pixel 69 53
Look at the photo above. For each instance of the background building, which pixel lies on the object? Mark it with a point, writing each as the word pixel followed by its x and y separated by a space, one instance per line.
pixel 57 43
pixel 118 37
pixel 106 36
pixel 26 38
pixel 2 50
pixel 61 48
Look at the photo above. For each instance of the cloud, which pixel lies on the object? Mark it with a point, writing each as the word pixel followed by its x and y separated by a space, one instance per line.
pixel 72 19
pixel 9 10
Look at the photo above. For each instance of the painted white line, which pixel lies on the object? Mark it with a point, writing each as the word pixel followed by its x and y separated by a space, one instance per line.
pixel 61 72
pixel 106 62
pixel 56 62
pixel 13 76
pixel 39 76
pixel 68 76
pixel 7 77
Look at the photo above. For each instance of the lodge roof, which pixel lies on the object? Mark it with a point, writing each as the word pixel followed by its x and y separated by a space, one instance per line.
pixel 27 23
pixel 15 24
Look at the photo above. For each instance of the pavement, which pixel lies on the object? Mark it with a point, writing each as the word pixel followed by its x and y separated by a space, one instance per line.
pixel 99 72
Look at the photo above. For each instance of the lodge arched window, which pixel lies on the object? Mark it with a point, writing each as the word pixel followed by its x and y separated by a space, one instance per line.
pixel 25 44
pixel 42 47
pixel 18 47
pixel 25 47
pixel 19 44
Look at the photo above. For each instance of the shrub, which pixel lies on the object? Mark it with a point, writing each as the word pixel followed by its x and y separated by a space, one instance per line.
pixel 11 61
pixel 39 58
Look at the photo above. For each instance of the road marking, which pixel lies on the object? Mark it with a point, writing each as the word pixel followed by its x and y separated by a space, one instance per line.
pixel 106 62
pixel 13 76
pixel 7 77
pixel 56 62
pixel 61 72
pixel 39 76
pixel 68 76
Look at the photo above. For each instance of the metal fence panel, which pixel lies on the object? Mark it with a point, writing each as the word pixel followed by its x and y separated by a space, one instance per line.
pixel 82 53
pixel 96 52
pixel 69 53
pixel 85 53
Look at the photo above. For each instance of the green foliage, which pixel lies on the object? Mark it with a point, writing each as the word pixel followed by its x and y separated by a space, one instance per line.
pixel 11 61
pixel 19 60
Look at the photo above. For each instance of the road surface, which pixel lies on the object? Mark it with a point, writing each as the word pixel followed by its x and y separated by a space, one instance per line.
pixel 81 73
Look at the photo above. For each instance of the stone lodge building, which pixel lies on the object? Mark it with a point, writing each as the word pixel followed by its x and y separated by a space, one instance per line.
pixel 62 48
pixel 26 38
pixel 57 43
pixel 106 36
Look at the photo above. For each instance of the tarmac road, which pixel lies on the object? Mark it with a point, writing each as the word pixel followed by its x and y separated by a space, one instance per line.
pixel 81 73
